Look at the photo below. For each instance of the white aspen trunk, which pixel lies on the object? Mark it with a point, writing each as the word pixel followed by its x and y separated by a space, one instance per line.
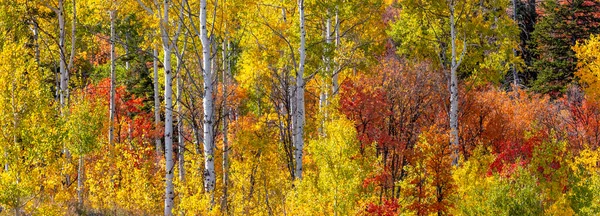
pixel 335 82
pixel 226 74
pixel 80 176
pixel 73 43
pixel 180 138
pixel 207 104
pixel 157 141
pixel 127 50
pixel 299 122
pixel 111 129
pixel 453 88
pixel 324 99
pixel 327 58
pixel 63 58
pixel 169 193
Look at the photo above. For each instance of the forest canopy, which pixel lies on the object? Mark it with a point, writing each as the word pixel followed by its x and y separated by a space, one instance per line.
pixel 305 107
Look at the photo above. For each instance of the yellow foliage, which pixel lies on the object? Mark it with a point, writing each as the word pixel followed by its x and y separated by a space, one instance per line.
pixel 588 64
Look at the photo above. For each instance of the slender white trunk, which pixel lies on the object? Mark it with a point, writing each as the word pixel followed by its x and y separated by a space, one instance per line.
pixel 80 181
pixel 299 122
pixel 180 138
pixel 63 59
pixel 328 68
pixel 157 141
pixel 454 88
pixel 63 83
pixel 324 98
pixel 336 85
pixel 169 193
pixel 73 42
pixel 207 104
pixel 225 126
pixel 112 79
pixel 126 50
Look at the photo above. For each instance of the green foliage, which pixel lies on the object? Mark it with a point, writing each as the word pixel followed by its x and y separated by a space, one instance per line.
pixel 83 126
pixel 422 31
pixel 559 28
pixel 480 193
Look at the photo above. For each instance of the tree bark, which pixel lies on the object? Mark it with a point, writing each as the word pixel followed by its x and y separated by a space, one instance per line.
pixel 169 193
pixel 299 121
pixel 226 75
pixel 454 139
pixel 111 129
pixel 157 141
pixel 335 82
pixel 207 104
pixel 80 176
pixel 180 138
pixel 63 58
pixel 73 42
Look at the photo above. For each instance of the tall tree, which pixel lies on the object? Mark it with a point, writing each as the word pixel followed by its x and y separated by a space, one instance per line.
pixel 207 102
pixel 112 78
pixel 169 190
pixel 299 114
pixel 168 97
pixel 454 81
pixel 479 32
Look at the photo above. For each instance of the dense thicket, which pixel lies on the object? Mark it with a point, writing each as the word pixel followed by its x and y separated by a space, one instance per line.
pixel 307 107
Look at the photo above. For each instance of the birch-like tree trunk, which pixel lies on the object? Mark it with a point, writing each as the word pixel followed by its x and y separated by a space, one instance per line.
pixel 157 141
pixel 169 193
pixel 63 59
pixel 73 45
pixel 334 79
pixel 226 74
pixel 207 103
pixel 299 109
pixel 454 138
pixel 111 123
pixel 80 176
pixel 180 139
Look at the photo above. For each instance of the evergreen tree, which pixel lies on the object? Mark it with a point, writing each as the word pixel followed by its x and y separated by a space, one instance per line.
pixel 561 25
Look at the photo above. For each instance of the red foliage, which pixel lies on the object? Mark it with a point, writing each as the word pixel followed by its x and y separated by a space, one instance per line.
pixel 514 154
pixel 131 122
pixel 388 207
pixel 389 108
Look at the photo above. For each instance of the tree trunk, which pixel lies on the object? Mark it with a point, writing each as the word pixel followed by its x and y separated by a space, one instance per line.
pixel 111 129
pixel 36 40
pixel 63 58
pixel 299 121
pixel 336 85
pixel 207 104
pixel 80 176
pixel 453 88
pixel 180 138
pixel 225 126
pixel 156 102
pixel 169 193
pixel 73 43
